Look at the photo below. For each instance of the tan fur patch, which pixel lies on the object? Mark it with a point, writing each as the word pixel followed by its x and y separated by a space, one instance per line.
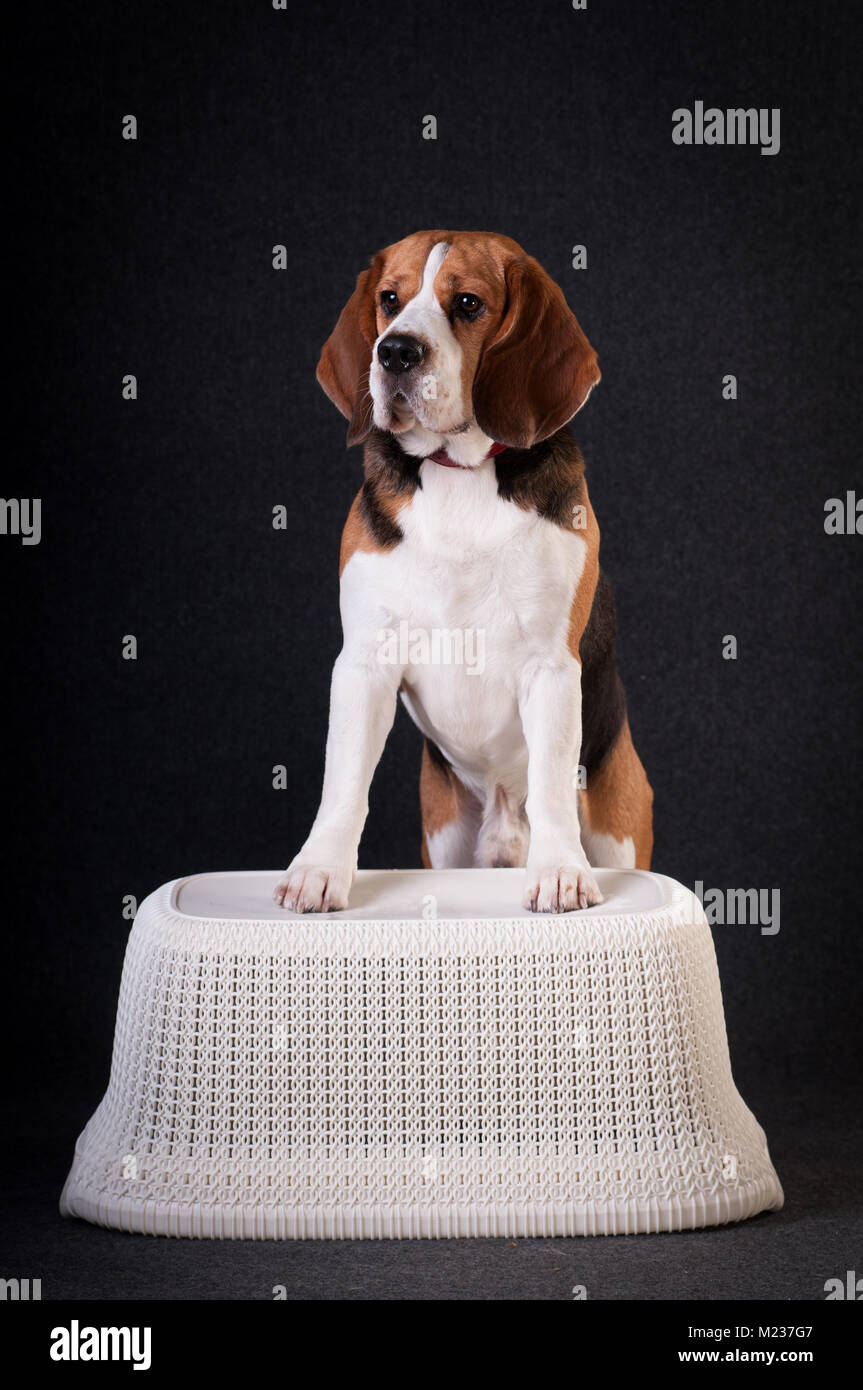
pixel 443 799
pixel 356 534
pixel 618 800
pixel 473 265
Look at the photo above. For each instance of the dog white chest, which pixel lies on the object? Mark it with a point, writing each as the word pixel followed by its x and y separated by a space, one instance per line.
pixel 477 591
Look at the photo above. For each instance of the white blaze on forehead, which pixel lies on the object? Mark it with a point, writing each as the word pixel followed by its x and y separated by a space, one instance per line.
pixel 434 391
pixel 440 375
pixel 425 302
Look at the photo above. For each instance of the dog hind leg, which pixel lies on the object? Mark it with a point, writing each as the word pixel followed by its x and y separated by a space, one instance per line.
pixel 451 814
pixel 616 810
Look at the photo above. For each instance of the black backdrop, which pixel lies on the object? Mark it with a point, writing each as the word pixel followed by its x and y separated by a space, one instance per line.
pixel 154 257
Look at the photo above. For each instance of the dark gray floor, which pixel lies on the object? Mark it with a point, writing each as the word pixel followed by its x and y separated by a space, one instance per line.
pixel 783 1255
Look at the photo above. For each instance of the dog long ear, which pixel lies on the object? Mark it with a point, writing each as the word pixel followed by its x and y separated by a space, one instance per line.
pixel 539 368
pixel 343 369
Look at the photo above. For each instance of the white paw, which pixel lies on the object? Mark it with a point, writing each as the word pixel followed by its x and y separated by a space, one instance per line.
pixel 313 888
pixel 552 889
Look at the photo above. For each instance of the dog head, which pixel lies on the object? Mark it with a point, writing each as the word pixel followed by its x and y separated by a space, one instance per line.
pixel 448 330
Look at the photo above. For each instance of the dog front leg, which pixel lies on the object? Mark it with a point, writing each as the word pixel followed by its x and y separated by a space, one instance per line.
pixel 362 709
pixel 558 876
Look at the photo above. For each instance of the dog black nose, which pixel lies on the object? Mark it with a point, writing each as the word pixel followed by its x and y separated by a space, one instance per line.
pixel 400 354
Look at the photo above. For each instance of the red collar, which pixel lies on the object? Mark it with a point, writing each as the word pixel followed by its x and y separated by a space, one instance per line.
pixel 442 457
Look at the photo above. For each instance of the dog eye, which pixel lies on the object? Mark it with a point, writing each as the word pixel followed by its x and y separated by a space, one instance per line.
pixel 467 305
pixel 389 301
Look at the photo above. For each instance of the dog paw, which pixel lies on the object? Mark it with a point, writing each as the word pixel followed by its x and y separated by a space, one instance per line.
pixel 560 889
pixel 313 888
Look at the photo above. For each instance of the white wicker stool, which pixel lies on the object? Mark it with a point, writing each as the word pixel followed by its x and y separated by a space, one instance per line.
pixel 432 1062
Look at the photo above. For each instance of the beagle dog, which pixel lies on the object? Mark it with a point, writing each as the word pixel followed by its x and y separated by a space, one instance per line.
pixel 458 362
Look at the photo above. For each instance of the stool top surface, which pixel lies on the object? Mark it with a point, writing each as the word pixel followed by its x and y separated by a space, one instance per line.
pixel 398 895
